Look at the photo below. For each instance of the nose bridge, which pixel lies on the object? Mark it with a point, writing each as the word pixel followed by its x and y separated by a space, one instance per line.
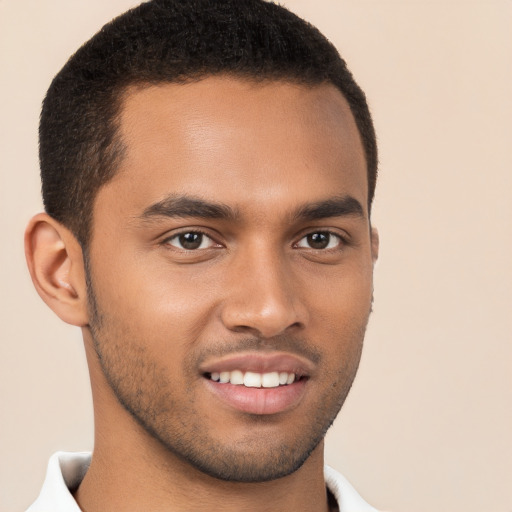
pixel 261 294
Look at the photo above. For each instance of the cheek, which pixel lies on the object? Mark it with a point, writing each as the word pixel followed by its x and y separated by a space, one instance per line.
pixel 341 294
pixel 154 301
pixel 340 307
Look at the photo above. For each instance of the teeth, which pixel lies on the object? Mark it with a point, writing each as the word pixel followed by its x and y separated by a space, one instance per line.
pixel 237 377
pixel 224 377
pixel 253 379
pixel 270 380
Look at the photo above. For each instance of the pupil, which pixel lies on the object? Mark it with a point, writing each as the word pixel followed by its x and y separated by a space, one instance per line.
pixel 191 240
pixel 318 240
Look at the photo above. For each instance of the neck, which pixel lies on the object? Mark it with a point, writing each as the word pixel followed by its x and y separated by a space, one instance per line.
pixel 131 471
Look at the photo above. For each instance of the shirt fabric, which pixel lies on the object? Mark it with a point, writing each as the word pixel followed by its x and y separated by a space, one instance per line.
pixel 66 471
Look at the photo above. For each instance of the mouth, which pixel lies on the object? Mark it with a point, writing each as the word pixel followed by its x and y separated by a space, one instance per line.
pixel 258 383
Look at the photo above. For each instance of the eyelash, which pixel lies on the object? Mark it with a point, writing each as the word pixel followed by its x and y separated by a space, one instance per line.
pixel 202 234
pixel 342 241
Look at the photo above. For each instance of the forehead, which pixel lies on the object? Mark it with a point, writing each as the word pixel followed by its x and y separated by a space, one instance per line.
pixel 240 142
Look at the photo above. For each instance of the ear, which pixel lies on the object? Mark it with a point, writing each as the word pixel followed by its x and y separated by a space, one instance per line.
pixel 56 265
pixel 374 240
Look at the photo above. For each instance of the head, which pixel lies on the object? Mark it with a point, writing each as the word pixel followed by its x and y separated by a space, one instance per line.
pixel 208 170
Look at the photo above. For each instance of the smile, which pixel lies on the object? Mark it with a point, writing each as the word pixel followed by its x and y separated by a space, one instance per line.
pixel 253 379
pixel 258 383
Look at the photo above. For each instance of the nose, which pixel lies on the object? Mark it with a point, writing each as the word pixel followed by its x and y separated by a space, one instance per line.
pixel 262 296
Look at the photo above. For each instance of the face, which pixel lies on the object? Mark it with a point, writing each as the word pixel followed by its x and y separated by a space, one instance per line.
pixel 230 271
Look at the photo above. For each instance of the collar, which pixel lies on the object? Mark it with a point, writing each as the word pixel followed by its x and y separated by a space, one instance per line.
pixel 66 471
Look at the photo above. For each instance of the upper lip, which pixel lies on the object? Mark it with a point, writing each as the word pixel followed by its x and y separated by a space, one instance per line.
pixel 260 362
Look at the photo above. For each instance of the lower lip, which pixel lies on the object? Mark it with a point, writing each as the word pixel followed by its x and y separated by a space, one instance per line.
pixel 259 400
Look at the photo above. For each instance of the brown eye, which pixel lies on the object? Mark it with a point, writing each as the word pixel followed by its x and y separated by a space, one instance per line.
pixel 320 240
pixel 191 240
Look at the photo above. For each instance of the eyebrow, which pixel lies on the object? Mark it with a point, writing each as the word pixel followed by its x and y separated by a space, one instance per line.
pixel 185 206
pixel 333 207
pixel 176 206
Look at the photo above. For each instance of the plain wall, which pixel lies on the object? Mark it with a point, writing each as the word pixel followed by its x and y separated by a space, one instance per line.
pixel 427 426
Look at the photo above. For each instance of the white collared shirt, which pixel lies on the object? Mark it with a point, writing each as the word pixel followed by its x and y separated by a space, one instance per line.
pixel 66 471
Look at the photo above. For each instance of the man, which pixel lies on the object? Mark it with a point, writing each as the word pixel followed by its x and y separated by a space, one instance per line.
pixel 208 170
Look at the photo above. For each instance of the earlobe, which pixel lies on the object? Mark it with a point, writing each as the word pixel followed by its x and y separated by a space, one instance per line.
pixel 55 261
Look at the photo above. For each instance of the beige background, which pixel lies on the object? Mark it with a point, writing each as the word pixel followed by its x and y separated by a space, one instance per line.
pixel 428 424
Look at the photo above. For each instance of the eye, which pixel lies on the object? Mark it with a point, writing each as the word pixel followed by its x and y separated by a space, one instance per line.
pixel 320 240
pixel 191 241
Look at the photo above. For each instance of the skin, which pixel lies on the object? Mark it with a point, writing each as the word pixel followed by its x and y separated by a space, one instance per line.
pixel 154 315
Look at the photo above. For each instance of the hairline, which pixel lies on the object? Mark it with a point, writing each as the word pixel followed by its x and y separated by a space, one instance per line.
pixel 120 94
